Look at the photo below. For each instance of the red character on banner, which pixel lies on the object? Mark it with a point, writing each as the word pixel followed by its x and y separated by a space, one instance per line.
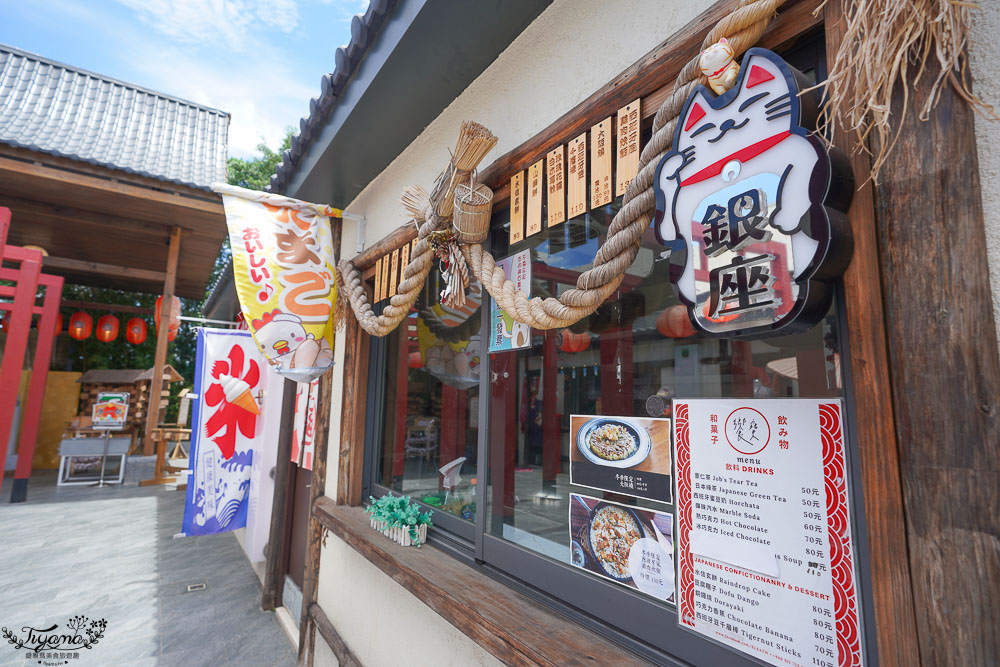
pixel 232 396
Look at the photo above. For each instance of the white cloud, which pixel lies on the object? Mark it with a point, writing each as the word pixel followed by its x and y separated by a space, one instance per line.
pixel 233 21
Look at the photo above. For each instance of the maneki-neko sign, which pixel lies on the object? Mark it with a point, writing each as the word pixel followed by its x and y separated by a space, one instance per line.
pixel 752 205
pixel 283 261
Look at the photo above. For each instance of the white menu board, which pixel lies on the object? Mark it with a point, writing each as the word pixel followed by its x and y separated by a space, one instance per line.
pixel 765 558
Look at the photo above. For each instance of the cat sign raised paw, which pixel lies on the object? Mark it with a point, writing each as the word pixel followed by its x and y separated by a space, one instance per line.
pixel 752 205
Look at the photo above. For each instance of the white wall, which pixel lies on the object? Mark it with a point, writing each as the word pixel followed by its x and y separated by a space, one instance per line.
pixel 572 49
pixel 984 57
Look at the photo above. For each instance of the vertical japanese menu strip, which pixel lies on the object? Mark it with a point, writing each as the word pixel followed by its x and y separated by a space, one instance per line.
pixel 628 147
pixel 600 164
pixel 385 276
pixel 517 208
pixel 394 273
pixel 534 205
pixel 765 555
pixel 404 259
pixel 378 280
pixel 556 185
pixel 576 182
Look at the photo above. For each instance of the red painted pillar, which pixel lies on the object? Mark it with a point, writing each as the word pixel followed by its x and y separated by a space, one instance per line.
pixel 504 425
pixel 17 342
pixel 551 442
pixel 36 390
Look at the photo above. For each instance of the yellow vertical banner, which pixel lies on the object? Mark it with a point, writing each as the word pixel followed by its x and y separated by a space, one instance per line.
pixel 377 296
pixel 283 265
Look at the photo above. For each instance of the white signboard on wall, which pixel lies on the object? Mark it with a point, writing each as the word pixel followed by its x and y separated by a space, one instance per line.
pixel 765 557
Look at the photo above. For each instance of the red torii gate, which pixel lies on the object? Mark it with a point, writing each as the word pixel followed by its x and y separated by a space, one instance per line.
pixel 27 278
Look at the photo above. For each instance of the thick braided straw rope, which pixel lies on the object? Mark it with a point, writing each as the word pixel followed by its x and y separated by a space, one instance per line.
pixel 741 28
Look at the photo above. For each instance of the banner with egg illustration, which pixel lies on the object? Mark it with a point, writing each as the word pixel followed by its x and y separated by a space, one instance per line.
pixel 234 388
pixel 283 266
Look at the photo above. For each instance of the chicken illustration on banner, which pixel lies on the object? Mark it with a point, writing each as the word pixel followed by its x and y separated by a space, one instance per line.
pixel 231 382
pixel 283 264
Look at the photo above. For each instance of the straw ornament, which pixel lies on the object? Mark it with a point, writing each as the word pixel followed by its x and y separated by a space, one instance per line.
pixel 882 37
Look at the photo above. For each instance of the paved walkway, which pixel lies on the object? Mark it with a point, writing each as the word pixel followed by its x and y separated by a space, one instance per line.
pixel 109 553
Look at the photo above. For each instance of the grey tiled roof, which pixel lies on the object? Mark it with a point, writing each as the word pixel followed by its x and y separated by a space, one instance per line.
pixel 54 108
pixel 364 28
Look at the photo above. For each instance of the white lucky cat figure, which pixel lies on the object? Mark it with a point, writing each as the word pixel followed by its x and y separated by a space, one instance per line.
pixel 744 202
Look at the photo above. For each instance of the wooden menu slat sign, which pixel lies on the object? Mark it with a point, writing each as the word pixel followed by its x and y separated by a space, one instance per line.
pixel 628 146
pixel 385 277
pixel 600 164
pixel 378 280
pixel 404 259
pixel 517 208
pixel 394 273
pixel 534 205
pixel 555 178
pixel 576 180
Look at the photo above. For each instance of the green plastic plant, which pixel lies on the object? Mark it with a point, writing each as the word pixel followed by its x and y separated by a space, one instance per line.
pixel 398 512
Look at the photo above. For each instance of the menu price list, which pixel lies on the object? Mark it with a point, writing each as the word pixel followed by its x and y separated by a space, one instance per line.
pixel 765 558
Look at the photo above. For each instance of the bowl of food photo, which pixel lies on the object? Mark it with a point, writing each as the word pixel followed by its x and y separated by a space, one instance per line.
pixel 612 532
pixel 614 442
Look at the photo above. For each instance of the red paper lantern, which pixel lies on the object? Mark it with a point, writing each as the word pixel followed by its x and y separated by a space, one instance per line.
pixel 135 331
pixel 80 325
pixel 415 360
pixel 107 328
pixel 572 343
pixel 175 317
pixel 674 322
pixel 58 327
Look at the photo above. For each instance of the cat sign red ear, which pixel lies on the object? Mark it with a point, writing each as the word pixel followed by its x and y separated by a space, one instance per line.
pixel 695 113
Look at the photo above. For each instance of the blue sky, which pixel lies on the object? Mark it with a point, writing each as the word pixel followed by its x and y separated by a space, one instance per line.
pixel 260 60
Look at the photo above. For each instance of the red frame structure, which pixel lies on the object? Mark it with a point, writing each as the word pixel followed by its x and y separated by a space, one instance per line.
pixel 27 278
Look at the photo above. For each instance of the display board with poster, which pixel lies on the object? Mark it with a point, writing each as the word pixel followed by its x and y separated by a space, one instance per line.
pixel 627 455
pixel 632 547
pixel 110 411
pixel 765 559
pixel 505 333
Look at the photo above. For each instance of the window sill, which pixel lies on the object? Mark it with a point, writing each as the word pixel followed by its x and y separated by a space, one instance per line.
pixel 511 626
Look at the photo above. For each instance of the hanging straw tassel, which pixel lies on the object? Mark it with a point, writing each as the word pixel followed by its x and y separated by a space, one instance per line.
pixel 456 278
pixel 415 200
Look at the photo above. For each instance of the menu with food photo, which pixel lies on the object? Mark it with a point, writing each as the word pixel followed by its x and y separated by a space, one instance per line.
pixel 627 455
pixel 630 546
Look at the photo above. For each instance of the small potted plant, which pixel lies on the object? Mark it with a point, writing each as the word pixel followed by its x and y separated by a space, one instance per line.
pixel 399 519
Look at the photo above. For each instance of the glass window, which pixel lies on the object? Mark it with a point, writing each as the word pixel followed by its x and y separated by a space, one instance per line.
pixel 431 403
pixel 628 359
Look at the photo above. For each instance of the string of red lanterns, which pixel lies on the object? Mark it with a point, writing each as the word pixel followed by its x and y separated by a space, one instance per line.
pixel 175 317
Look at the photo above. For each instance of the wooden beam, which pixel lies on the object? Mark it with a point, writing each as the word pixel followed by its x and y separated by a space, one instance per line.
pixel 11 168
pixel 945 374
pixel 112 307
pixel 274 552
pixel 508 624
pixel 353 411
pixel 314 536
pixel 345 657
pixel 895 623
pixel 160 359
pixel 123 272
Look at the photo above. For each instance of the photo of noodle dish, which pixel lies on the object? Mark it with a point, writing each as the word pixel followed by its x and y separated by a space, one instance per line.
pixel 613 531
pixel 613 442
